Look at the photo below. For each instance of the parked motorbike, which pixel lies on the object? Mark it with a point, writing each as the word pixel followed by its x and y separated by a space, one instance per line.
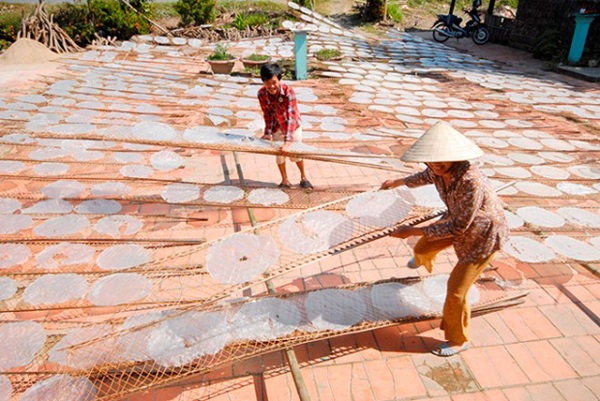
pixel 448 26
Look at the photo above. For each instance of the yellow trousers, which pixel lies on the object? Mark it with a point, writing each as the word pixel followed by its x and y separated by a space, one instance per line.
pixel 457 313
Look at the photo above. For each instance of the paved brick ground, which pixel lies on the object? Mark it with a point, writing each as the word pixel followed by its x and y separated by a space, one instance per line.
pixel 548 348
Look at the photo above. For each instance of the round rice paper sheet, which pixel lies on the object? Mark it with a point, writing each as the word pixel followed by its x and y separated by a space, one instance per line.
pixel 581 217
pixel 70 224
pixel 13 255
pixel 61 387
pixel 180 193
pixel 416 301
pixel 538 189
pixel 335 309
pixel 64 254
pixel 540 217
pixel 55 289
pixel 118 289
pixel 223 194
pixel 528 250
pixel 513 220
pixel 123 256
pixel 315 231
pixel 265 319
pixel 378 209
pixel 575 189
pixel 268 197
pixel 85 356
pixel 387 301
pixel 436 287
pixel 8 289
pixel 425 196
pixel 241 257
pixel 182 339
pixel 131 343
pixel 573 248
pixel 21 341
pixel 5 388
pixel 119 225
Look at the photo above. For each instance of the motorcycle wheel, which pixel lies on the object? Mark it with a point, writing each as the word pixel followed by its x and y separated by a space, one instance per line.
pixel 438 36
pixel 481 35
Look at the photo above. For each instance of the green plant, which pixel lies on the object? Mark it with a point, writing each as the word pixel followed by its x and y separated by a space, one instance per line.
pixel 142 6
pixel 221 53
pixel 416 3
pixel 327 54
pixel 257 57
pixel 10 23
pixel 254 62
pixel 548 45
pixel 240 22
pixel 394 12
pixel 244 20
pixel 460 4
pixel 111 18
pixel 196 11
pixel 75 19
pixel 288 68
pixel 165 10
pixel 237 6
pixel 371 10
pixel 106 17
pixel 304 3
pixel 511 3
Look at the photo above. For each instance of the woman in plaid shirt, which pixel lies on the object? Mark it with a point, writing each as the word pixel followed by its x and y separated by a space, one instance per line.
pixel 282 119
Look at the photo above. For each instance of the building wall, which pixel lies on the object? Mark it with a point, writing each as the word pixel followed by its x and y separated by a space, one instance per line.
pixel 545 28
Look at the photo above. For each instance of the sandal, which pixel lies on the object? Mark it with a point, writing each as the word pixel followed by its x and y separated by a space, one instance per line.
pixel 285 185
pixel 446 350
pixel 306 184
pixel 412 264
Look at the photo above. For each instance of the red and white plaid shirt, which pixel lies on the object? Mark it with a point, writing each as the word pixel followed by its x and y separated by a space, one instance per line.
pixel 280 111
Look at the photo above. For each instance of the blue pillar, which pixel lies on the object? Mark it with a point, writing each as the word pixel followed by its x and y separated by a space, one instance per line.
pixel 582 26
pixel 300 54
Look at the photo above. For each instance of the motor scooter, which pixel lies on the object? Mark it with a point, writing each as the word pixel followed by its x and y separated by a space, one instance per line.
pixel 448 26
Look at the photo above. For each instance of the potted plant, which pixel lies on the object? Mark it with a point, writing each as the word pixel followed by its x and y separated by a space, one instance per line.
pixel 255 60
pixel 221 62
pixel 328 54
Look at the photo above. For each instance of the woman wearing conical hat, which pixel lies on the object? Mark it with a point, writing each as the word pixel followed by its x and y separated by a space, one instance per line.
pixel 475 224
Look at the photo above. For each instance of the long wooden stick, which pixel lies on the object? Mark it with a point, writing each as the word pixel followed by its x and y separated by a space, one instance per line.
pixel 289 352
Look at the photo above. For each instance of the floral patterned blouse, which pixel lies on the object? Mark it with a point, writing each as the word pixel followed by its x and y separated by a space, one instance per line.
pixel 475 218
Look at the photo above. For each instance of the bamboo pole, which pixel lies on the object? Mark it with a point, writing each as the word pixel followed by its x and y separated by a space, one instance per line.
pixel 289 352
pixel 144 17
pixel 385 13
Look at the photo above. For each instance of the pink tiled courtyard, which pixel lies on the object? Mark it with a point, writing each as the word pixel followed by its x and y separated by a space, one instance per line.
pixel 126 163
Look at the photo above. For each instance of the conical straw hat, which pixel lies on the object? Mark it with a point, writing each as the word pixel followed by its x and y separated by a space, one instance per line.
pixel 442 143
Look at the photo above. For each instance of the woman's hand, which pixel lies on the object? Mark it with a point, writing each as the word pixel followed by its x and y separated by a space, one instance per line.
pixel 388 184
pixel 406 231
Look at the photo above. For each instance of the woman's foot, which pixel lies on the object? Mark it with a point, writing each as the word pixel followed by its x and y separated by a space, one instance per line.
pixel 285 184
pixel 412 264
pixel 447 349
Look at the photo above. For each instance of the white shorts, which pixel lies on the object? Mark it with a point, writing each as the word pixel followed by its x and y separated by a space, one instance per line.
pixel 278 136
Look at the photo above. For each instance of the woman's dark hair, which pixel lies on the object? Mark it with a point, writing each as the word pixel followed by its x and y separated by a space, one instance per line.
pixel 269 71
pixel 458 165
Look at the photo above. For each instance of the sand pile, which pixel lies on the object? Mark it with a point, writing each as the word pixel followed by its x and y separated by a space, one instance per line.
pixel 27 51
